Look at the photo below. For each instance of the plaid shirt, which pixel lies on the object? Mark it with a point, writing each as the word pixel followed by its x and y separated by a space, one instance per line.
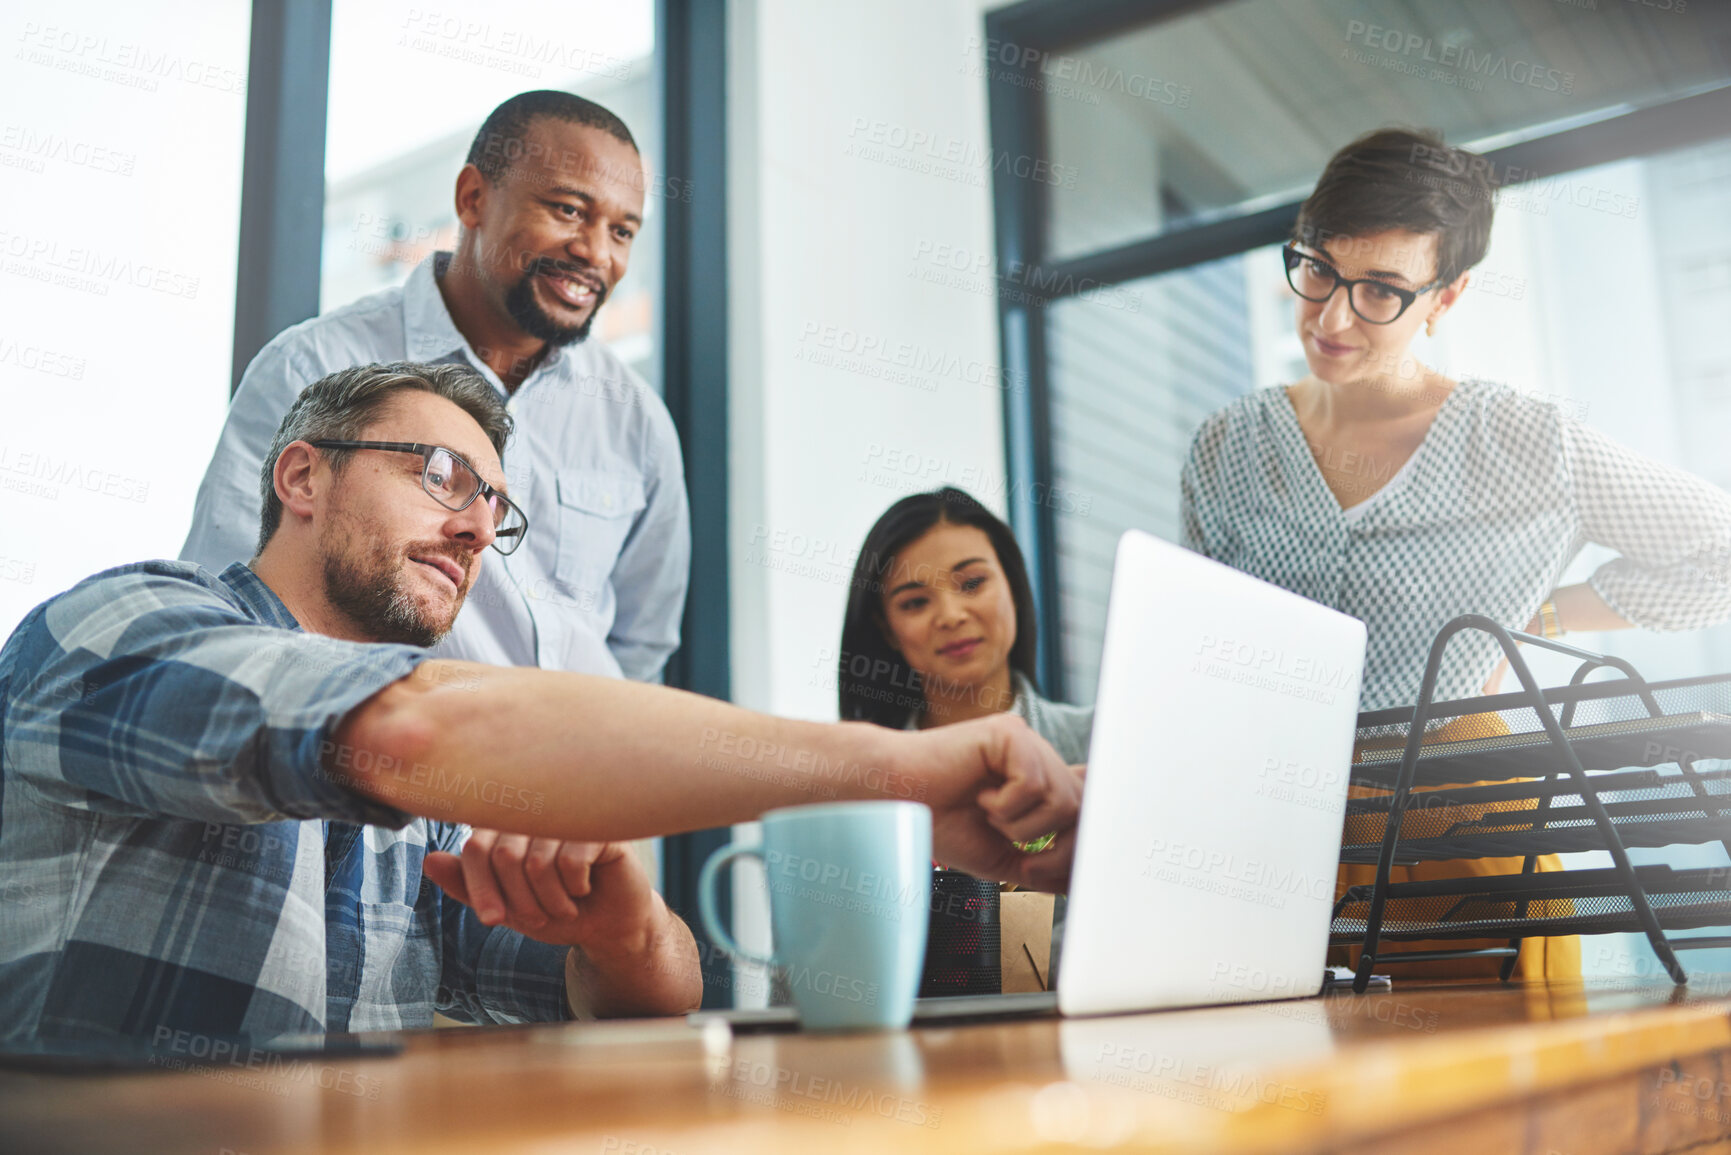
pixel 173 854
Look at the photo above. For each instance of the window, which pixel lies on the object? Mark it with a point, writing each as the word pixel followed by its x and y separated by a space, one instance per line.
pixel 1180 149
pixel 1133 373
pixel 120 173
pixel 1135 370
pixel 1237 106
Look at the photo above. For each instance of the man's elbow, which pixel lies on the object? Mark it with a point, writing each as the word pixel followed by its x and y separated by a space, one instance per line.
pixel 680 997
pixel 689 996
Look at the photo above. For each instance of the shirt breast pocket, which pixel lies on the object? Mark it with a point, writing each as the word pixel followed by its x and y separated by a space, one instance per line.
pixel 597 508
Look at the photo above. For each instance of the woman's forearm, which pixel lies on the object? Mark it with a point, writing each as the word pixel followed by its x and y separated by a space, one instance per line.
pixel 1580 609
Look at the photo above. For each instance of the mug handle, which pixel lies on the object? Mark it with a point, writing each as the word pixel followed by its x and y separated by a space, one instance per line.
pixel 706 900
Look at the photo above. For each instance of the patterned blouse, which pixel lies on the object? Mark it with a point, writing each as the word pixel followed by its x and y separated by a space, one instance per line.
pixel 1500 496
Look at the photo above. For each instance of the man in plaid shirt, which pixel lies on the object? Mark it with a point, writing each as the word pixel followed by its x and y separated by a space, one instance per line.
pixel 251 803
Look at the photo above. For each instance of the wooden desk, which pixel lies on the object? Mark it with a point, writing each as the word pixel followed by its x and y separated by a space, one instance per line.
pixel 1559 1068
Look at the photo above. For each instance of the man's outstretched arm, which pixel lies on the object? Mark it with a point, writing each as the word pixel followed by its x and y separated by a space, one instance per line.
pixel 572 756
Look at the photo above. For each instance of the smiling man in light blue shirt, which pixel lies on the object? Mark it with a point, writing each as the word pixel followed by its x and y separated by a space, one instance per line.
pixel 549 202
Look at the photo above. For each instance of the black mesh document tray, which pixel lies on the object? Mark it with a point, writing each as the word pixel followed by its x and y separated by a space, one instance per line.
pixel 1546 816
pixel 1607 745
pixel 1563 902
pixel 1590 766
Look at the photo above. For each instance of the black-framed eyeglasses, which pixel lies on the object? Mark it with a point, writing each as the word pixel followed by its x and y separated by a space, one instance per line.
pixel 1376 301
pixel 454 484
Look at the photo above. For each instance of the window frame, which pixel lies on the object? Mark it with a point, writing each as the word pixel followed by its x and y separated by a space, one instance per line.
pixel 282 187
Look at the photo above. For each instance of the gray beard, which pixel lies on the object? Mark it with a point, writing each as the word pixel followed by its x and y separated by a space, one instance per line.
pixel 368 590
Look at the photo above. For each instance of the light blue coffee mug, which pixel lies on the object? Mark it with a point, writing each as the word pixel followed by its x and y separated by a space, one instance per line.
pixel 849 900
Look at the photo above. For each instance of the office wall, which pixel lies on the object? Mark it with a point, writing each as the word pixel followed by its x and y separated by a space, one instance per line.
pixel 864 362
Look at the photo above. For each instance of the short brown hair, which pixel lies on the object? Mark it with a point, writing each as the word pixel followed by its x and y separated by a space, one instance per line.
pixel 1399 178
pixel 341 406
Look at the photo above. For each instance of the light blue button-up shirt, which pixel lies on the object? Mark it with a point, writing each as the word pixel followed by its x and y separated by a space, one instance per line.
pixel 599 585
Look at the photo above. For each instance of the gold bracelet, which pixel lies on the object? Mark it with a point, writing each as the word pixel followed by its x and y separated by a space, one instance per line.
pixel 1549 625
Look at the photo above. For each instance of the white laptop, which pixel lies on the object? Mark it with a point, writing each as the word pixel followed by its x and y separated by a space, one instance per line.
pixel 1216 793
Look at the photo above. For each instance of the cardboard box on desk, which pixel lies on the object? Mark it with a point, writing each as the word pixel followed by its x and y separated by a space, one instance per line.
pixel 1025 939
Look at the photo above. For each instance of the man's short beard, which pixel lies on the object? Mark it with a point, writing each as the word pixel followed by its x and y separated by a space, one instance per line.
pixel 520 303
pixel 368 589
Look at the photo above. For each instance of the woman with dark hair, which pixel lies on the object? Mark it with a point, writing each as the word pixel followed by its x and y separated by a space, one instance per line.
pixel 1381 487
pixel 934 631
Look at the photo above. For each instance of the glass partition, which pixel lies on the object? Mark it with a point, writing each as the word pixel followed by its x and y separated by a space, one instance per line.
pixel 120 172
pixel 1236 106
pixel 1609 310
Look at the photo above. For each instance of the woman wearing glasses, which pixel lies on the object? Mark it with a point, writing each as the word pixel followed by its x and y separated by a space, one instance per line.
pixel 1387 490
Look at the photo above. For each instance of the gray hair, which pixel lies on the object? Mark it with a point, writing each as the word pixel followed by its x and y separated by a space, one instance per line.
pixel 341 406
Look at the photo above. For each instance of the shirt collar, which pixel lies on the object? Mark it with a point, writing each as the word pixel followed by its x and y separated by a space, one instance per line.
pixel 428 331
pixel 429 334
pixel 257 597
